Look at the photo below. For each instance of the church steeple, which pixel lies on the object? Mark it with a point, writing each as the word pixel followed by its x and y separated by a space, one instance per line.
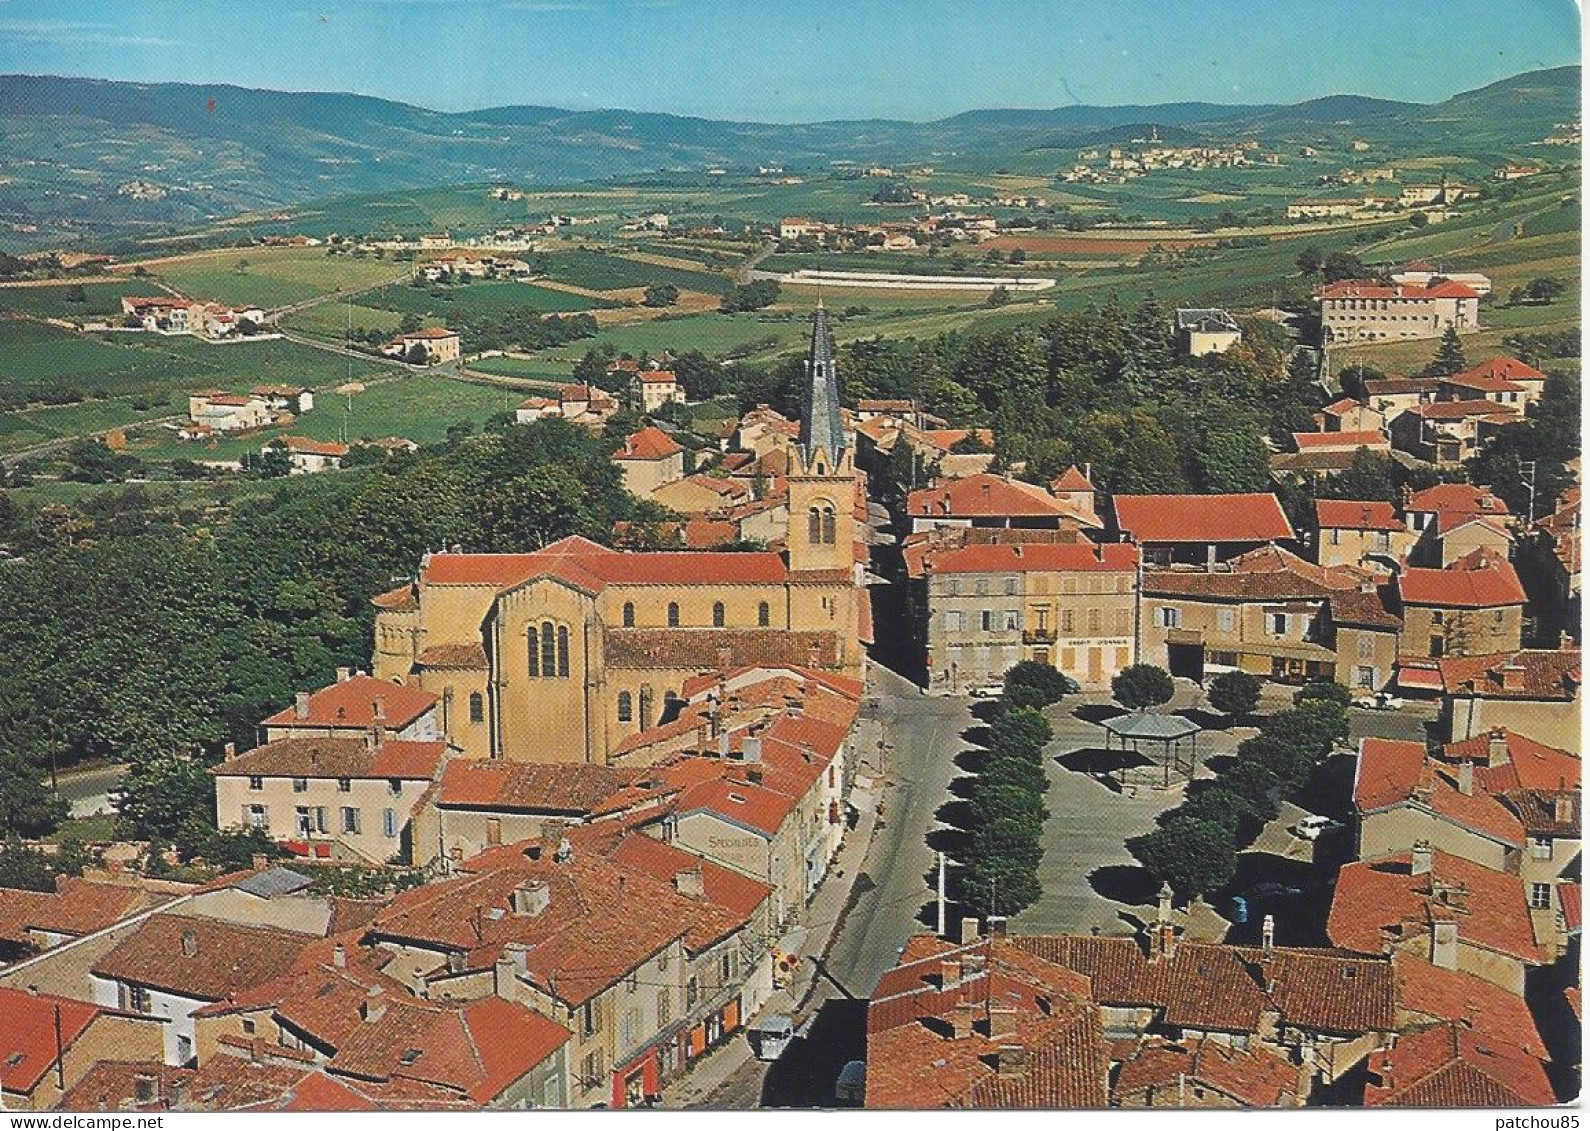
pixel 822 430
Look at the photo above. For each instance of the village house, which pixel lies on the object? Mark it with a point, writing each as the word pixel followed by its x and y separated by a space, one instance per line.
pixel 1365 535
pixel 1455 1065
pixel 355 705
pixel 650 389
pixel 1203 1073
pixel 1564 561
pixel 1266 612
pixel 1453 520
pixel 546 648
pixel 1448 433
pixel 1393 396
pixel 306 456
pixel 1355 311
pixel 1472 607
pixel 435 343
pixel 1200 529
pixel 1531 692
pixel 648 459
pixel 48 1043
pixel 1347 415
pixel 36 921
pixel 1205 331
pixel 348 799
pixel 1503 380
pixel 987 500
pixel 296 399
pixel 986 599
pixel 229 412
pixel 1454 913
pixel 1402 799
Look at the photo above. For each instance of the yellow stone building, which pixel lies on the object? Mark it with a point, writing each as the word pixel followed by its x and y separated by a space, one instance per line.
pixel 562 653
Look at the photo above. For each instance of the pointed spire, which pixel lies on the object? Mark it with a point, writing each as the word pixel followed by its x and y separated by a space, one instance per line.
pixel 821 425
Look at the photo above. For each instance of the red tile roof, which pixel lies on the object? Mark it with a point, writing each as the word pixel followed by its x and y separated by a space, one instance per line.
pixel 76 907
pixel 1268 573
pixel 988 496
pixel 28 1037
pixel 650 443
pixel 1478 580
pixel 1202 518
pixel 402 599
pixel 1351 514
pixel 1036 557
pixel 1352 288
pixel 351 703
pixel 1455 499
pixel 337 758
pixel 1502 369
pixel 226 958
pixel 1458 410
pixel 1253 1077
pixel 1426 992
pixel 698 648
pixel 430 333
pixel 1540 674
pixel 1381 899
pixel 1071 479
pixel 1312 441
pixel 1393 773
pixel 530 788
pixel 592 567
pixel 305 446
pixel 1453 1066
pixel 1528 764
pixel 1569 896
pixel 658 377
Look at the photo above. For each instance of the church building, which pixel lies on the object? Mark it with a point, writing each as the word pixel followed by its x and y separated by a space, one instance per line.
pixel 559 654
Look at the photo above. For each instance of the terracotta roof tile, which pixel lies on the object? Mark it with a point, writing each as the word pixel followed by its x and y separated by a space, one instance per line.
pixel 1253 1077
pixel 715 647
pixel 529 787
pixel 467 657
pixel 226 957
pixel 1266 574
pixel 1353 288
pixel 1426 993
pixel 1202 518
pixel 337 758
pixel 1528 674
pixel 1479 580
pixel 1523 764
pixel 351 703
pixel 1351 514
pixel 1453 1066
pixel 650 443
pixel 28 1037
pixel 990 496
pixel 1393 773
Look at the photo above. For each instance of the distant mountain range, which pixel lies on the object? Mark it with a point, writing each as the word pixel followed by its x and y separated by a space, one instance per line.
pixel 86 156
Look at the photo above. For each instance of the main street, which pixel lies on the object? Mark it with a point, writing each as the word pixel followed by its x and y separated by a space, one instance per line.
pixel 892 895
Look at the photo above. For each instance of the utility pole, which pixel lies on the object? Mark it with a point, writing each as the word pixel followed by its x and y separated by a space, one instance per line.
pixel 1527 471
pixel 942 925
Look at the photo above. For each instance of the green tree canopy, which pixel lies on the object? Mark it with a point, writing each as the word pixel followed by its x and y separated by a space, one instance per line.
pixel 1142 685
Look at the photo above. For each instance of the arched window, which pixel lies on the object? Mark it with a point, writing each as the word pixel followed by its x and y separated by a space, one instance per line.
pixel 626 707
pixel 645 708
pixel 533 647
pixel 563 650
pixel 828 526
pixel 814 526
pixel 764 615
pixel 549 651
pixel 477 707
pixel 717 614
pixel 673 615
pixel 629 614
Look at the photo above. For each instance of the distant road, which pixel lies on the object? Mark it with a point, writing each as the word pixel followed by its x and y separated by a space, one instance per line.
pixel 89 791
pixel 748 270
pixel 345 292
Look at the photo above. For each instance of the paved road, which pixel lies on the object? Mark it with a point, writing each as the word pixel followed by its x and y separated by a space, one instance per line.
pixel 89 790
pixel 747 270
pixel 892 891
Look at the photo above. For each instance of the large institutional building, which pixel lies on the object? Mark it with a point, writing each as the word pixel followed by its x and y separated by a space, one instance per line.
pixel 562 653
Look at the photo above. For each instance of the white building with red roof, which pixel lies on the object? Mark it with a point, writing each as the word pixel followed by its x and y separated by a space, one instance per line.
pixel 1359 311
pixel 650 389
pixel 1200 529
pixel 648 459
pixel 433 345
pixel 1473 606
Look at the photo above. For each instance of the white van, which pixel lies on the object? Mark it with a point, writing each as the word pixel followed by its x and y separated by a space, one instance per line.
pixel 851 1087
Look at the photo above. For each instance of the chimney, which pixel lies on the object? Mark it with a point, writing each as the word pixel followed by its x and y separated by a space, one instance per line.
pixel 1512 676
pixel 690 882
pixel 1444 943
pixel 1012 1060
pixel 229 751
pixel 753 775
pixel 1465 782
pixel 751 751
pixel 301 705
pixel 1421 858
pixel 1563 808
pixel 258 861
pixel 1165 896
pixel 339 956
pixel 378 709
pixel 996 926
pixel 190 944
pixel 1269 937
pixel 343 674
pixel 968 929
pixel 373 1007
pixel 531 897
pixel 949 973
pixel 1001 1022
pixel 961 1019
pixel 146 1088
pixel 1497 748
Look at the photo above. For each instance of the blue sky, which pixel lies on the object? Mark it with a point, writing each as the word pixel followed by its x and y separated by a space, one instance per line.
pixel 800 60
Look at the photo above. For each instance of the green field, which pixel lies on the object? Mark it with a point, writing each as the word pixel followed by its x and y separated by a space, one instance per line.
pixel 489 299
pixel 599 271
pixel 330 319
pixel 272 277
pixel 100 299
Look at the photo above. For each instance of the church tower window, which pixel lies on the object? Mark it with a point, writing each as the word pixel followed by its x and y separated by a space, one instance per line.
pixel 764 615
pixel 563 650
pixel 533 647
pixel 549 650
pixel 673 614
pixel 629 614
pixel 717 614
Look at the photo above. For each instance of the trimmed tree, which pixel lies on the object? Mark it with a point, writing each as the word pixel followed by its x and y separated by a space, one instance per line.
pixel 1142 685
pixel 1193 855
pixel 1234 694
pixel 1031 684
pixel 1022 732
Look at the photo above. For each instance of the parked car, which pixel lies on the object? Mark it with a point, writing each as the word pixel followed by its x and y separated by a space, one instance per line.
pixel 1071 686
pixel 1380 701
pixel 988 691
pixel 851 1087
pixel 1310 827
pixel 1271 890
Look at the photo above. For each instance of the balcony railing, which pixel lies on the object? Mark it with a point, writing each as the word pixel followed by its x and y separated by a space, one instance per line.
pixel 1039 636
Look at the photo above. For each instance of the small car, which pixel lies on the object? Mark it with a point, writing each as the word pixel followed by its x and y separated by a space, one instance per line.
pixel 1380 701
pixel 1310 827
pixel 851 1087
pixel 1271 890
pixel 988 691
pixel 772 1037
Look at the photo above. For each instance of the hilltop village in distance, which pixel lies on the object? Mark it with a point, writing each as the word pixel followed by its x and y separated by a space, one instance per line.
pixel 1072 614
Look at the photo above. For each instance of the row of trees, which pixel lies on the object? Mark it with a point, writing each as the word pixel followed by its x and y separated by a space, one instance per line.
pixel 1000 874
pixel 1195 847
